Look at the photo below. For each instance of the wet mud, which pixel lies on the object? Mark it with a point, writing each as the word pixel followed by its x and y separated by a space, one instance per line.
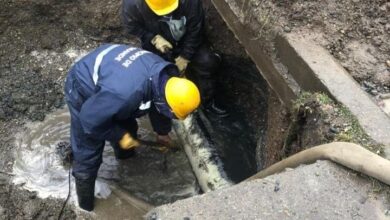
pixel 39 41
pixel 152 176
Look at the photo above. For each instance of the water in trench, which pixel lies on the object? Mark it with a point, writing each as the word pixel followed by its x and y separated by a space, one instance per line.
pixel 150 175
pixel 235 141
pixel 227 150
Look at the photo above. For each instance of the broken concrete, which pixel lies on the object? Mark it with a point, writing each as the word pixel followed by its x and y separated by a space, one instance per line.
pixel 322 190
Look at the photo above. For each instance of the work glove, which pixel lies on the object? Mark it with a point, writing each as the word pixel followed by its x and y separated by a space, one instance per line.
pixel 85 190
pixel 181 64
pixel 127 142
pixel 161 44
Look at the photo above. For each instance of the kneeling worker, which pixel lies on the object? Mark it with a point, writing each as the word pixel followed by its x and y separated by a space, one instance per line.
pixel 106 91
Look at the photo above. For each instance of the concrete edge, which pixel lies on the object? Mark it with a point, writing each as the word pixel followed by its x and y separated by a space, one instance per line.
pixel 285 91
pixel 314 69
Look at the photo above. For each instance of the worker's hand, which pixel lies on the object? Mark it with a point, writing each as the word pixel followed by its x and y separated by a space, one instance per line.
pixel 161 44
pixel 181 64
pixel 165 140
pixel 127 142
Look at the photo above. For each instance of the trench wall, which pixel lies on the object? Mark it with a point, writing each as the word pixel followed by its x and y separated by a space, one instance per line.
pixel 291 64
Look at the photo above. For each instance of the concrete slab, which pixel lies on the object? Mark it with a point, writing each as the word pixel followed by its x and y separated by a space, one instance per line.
pixel 322 190
pixel 314 69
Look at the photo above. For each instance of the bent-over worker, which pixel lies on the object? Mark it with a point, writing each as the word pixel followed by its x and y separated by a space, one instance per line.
pixel 106 91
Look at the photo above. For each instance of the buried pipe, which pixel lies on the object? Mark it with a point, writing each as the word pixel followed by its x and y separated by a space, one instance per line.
pixel 347 154
pixel 206 165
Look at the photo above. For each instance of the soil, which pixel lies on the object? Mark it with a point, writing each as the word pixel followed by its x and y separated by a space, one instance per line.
pixel 355 32
pixel 317 119
pixel 277 131
pixel 39 40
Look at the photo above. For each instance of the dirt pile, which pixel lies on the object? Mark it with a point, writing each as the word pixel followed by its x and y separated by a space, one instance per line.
pixel 39 40
pixel 317 120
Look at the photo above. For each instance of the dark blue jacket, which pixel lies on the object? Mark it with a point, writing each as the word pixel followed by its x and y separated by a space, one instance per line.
pixel 118 82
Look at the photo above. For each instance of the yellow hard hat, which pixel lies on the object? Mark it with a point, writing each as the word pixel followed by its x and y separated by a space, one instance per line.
pixel 162 7
pixel 182 95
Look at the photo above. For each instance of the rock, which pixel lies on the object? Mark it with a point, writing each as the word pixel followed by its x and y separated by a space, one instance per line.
pixel 31 209
pixel 58 103
pixel 2 114
pixel 2 211
pixel 334 130
pixel 384 96
pixel 388 63
pixel 153 216
pixel 277 186
pixel 374 92
pixel 368 85
pixel 19 97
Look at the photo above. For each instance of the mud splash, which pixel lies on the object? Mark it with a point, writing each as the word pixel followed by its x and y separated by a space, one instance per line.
pixel 151 176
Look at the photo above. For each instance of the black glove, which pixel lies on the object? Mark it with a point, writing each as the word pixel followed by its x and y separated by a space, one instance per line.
pixel 85 193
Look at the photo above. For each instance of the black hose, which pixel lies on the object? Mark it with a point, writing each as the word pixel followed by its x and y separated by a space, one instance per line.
pixel 69 191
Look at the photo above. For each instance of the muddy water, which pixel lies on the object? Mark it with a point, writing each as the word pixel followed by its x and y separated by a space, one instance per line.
pixel 150 175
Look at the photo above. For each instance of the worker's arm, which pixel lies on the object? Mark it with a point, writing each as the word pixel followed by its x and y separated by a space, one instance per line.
pixel 97 114
pixel 194 27
pixel 133 22
pixel 161 124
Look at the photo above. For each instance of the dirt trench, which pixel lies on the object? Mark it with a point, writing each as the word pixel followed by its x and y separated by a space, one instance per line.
pixel 39 41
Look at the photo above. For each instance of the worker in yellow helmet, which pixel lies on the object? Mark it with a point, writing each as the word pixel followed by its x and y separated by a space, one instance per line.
pixel 174 29
pixel 106 91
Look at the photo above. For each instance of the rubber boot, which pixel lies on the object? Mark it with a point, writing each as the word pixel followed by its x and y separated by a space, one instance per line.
pixel 85 190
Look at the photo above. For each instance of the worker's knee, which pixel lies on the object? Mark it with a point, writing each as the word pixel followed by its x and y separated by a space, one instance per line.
pixel 86 169
pixel 205 61
pixel 87 155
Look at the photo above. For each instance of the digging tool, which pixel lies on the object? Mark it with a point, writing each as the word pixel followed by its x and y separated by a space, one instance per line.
pixel 154 145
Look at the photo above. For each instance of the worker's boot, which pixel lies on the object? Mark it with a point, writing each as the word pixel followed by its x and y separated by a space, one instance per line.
pixel 85 190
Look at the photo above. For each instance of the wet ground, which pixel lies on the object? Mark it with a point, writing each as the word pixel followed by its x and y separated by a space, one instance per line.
pixel 39 41
pixel 152 176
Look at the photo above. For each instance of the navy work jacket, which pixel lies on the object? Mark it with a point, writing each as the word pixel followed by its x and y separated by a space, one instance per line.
pixel 117 82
